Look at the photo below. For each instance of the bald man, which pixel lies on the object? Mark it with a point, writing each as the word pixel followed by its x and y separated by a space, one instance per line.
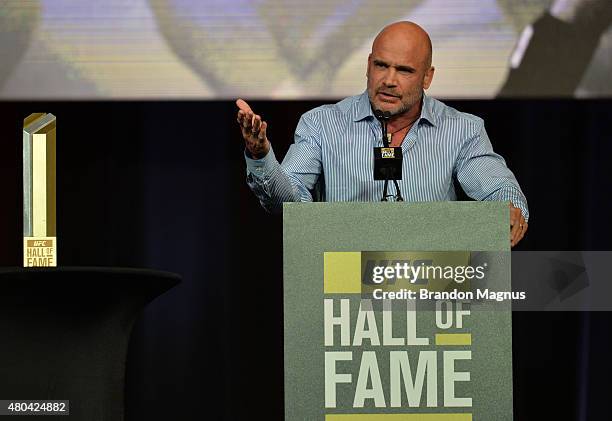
pixel 331 157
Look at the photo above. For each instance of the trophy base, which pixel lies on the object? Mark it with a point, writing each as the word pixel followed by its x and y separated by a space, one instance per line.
pixel 39 251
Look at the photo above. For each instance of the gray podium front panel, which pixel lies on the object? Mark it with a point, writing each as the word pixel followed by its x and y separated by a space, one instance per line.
pixel 451 370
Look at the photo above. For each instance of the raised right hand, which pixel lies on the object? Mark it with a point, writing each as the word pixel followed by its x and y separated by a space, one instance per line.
pixel 253 130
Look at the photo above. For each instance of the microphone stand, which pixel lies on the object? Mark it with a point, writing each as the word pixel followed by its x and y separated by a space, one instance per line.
pixel 384 117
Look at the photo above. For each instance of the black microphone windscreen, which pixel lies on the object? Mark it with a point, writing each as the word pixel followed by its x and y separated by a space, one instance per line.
pixel 379 114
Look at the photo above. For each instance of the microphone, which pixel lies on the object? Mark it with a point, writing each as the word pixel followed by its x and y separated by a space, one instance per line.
pixel 383 117
pixel 387 160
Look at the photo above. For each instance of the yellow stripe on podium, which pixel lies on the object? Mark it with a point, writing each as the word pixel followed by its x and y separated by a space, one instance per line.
pixel 453 339
pixel 398 417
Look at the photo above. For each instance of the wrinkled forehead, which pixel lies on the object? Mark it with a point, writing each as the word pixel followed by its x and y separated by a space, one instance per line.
pixel 399 50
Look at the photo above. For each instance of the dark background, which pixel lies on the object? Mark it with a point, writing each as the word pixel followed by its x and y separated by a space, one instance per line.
pixel 161 185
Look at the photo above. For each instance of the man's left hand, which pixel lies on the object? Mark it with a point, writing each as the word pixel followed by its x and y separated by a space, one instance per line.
pixel 518 225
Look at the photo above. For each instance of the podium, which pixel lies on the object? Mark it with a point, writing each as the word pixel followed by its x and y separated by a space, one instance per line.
pixel 349 357
pixel 65 333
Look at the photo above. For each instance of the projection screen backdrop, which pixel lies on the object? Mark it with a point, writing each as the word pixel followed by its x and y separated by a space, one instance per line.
pixel 210 49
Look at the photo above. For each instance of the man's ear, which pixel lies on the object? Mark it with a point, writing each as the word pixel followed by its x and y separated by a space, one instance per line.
pixel 368 66
pixel 429 74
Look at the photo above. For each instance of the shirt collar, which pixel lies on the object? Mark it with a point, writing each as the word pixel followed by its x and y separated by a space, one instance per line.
pixel 363 109
pixel 427 113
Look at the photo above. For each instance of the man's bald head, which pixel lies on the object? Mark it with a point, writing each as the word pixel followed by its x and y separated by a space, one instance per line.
pixel 408 34
pixel 399 68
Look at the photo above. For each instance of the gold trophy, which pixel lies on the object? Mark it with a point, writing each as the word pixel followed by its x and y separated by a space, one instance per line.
pixel 39 217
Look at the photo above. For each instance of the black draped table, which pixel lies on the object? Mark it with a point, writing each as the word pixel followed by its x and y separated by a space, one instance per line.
pixel 64 334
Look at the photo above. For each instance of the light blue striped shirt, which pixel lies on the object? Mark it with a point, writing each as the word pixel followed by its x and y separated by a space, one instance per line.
pixel 332 159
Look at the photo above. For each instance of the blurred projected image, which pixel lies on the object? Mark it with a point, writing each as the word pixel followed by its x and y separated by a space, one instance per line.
pixel 295 48
pixel 17 22
pixel 555 54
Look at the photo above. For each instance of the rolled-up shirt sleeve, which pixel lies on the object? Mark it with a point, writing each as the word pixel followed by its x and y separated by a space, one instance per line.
pixel 293 180
pixel 483 174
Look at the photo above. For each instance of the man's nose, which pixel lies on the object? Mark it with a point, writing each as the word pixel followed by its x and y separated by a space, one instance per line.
pixel 390 79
